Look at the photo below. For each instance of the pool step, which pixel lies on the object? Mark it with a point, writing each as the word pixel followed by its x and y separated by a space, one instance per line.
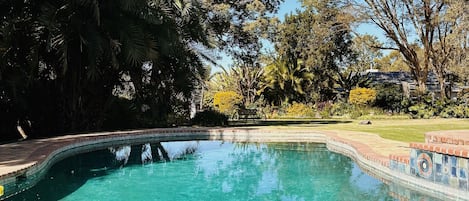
pixel 449 149
pixel 456 137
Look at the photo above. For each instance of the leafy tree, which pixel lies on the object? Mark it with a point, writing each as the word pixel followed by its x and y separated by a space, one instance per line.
pixel 450 47
pixel 425 19
pixel 317 40
pixel 241 24
pixel 366 51
pixel 392 62
pixel 458 40
pixel 69 58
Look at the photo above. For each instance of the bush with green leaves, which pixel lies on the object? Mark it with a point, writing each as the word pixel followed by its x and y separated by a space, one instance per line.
pixel 422 111
pixel 429 107
pixel 390 97
pixel 342 109
pixel 210 118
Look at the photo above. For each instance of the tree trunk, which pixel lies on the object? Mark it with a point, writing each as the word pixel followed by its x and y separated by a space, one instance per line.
pixel 441 81
pixel 421 86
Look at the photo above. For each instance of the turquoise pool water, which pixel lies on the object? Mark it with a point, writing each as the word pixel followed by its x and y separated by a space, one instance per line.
pixel 212 170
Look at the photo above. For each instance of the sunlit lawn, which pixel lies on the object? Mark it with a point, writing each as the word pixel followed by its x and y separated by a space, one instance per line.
pixel 408 130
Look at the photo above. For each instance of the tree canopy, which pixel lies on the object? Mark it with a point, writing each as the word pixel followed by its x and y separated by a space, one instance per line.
pixel 82 65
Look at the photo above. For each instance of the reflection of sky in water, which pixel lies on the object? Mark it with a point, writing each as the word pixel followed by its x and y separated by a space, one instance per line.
pixel 362 180
pixel 269 180
pixel 210 151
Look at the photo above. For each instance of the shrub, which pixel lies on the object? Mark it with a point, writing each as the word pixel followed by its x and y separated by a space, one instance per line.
pixel 362 96
pixel 342 109
pixel 429 108
pixel 210 118
pixel 300 110
pixel 325 109
pixel 391 117
pixel 422 111
pixel 226 101
pixel 455 111
pixel 390 97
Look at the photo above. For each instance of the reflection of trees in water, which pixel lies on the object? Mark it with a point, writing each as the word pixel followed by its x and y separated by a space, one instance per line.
pixel 331 176
pixel 140 153
pixel 68 175
pixel 298 171
pixel 71 173
pixel 160 152
pixel 309 171
pixel 278 171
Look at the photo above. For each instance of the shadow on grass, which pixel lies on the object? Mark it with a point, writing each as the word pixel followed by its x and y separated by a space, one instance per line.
pixel 286 122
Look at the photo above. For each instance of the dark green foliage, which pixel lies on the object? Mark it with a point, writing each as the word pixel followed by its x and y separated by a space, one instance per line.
pixel 121 114
pixel 390 97
pixel 314 47
pixel 210 118
pixel 61 62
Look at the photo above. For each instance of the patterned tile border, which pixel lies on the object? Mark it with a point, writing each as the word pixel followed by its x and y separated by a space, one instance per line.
pixel 375 164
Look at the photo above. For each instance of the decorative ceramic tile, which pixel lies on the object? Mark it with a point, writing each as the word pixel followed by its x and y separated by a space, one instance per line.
pixel 413 153
pixel 437 158
pixel 462 173
pixel 454 182
pixel 445 160
pixel 393 165
pixel 463 185
pixel 454 172
pixel 454 161
pixel 462 163
pixel 444 179
pixel 413 162
pixel 401 167
pixel 412 171
pixel 424 166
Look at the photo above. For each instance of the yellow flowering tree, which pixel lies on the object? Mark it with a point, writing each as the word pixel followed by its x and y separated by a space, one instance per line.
pixel 226 101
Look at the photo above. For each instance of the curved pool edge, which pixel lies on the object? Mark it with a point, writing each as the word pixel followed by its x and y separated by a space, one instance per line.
pixel 53 150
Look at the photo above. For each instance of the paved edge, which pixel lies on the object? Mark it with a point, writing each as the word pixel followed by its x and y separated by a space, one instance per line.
pixel 52 150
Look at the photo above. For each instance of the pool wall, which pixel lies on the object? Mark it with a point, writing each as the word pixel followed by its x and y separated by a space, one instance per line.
pixel 374 164
pixel 442 159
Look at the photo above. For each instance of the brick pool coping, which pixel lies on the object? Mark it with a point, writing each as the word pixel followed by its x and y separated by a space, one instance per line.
pixel 31 158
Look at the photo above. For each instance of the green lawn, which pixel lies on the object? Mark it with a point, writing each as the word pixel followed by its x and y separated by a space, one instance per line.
pixel 408 130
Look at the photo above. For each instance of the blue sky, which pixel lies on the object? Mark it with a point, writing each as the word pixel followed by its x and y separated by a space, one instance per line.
pixel 290 6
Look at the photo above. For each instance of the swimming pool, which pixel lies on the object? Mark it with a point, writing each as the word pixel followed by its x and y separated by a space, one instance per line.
pixel 212 170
